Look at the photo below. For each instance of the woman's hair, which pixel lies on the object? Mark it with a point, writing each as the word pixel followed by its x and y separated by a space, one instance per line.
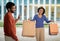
pixel 41 8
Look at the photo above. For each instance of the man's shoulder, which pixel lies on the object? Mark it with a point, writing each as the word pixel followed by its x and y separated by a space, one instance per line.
pixel 7 15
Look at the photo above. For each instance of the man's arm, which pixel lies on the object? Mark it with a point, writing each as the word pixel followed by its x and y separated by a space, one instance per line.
pixel 12 33
pixel 17 19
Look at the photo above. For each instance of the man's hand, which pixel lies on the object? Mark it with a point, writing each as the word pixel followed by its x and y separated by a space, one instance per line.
pixel 19 17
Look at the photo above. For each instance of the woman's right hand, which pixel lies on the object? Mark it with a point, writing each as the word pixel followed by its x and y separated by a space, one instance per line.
pixel 29 19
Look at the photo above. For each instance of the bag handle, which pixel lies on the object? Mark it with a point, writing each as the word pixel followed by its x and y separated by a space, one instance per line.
pixel 52 22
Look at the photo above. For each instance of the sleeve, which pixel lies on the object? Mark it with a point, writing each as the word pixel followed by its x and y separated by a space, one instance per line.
pixel 16 20
pixel 45 18
pixel 12 33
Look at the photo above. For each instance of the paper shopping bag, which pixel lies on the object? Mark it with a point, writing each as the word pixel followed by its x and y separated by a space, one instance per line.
pixel 28 28
pixel 53 29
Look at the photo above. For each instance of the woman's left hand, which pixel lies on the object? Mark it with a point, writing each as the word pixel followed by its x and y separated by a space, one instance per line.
pixel 51 20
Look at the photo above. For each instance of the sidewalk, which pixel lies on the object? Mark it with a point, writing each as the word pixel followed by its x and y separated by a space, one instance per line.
pixel 19 33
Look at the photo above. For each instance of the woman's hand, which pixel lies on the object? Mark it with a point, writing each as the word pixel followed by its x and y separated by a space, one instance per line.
pixel 51 20
pixel 28 19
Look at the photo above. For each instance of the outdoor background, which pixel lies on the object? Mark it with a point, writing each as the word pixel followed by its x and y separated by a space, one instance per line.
pixel 27 9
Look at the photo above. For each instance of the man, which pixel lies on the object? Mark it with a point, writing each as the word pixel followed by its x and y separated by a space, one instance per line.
pixel 10 23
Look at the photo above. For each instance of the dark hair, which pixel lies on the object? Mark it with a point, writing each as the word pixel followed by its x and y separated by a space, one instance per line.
pixel 9 5
pixel 41 8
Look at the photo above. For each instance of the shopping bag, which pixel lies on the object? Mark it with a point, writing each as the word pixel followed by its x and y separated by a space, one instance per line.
pixel 53 29
pixel 28 28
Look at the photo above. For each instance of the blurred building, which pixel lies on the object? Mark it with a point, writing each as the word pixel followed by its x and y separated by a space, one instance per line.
pixel 28 8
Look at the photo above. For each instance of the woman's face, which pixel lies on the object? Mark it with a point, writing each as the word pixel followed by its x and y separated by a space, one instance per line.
pixel 41 11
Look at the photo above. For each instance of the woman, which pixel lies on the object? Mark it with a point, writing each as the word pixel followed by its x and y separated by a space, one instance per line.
pixel 40 18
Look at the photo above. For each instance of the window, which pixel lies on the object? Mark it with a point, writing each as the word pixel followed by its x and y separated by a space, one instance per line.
pixel 52 1
pixel 0 9
pixel 46 9
pixel 0 12
pixel 4 2
pixel 41 1
pixel 30 1
pixel 20 12
pixel 30 12
pixel 10 0
pixel 36 1
pixel 20 2
pixel 52 13
pixel 47 1
pixel 36 7
pixel 15 1
pixel 25 2
pixel 58 13
pixel 4 9
pixel 58 1
pixel 25 12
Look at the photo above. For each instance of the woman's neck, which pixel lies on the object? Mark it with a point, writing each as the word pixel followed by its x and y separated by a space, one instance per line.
pixel 39 14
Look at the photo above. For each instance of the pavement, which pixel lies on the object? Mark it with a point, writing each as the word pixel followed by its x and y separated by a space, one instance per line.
pixel 21 38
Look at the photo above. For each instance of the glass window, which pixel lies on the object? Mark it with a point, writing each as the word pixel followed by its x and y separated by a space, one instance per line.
pixel 47 1
pixel 52 13
pixel 52 1
pixel 4 9
pixel 5 6
pixel 20 2
pixel 25 2
pixel 41 1
pixel 0 2
pixel 30 1
pixel 58 13
pixel 58 1
pixel 0 17
pixel 15 1
pixel 4 2
pixel 25 12
pixel 36 1
pixel 0 9
pixel 36 7
pixel 0 12
pixel 10 0
pixel 46 13
pixel 20 12
pixel 30 12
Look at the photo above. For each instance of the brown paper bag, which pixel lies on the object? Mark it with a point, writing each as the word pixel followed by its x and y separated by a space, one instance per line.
pixel 28 28
pixel 53 29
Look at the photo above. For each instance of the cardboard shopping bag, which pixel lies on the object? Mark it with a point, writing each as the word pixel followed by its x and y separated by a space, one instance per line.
pixel 28 28
pixel 53 29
